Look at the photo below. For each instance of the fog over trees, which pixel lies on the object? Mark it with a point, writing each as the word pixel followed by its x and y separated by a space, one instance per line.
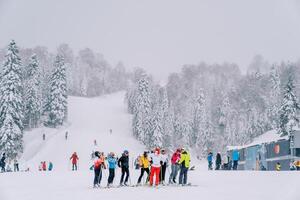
pixel 202 107
pixel 212 106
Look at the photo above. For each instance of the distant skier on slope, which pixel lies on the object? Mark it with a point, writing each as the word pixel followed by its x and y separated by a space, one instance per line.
pixel 144 164
pixel 156 162
pixel 44 166
pixel 123 163
pixel 74 158
pixel 2 162
pixel 50 166
pixel 66 135
pixel 210 160
pixel 98 165
pixel 112 163
pixel 174 166
pixel 185 164
pixel 16 165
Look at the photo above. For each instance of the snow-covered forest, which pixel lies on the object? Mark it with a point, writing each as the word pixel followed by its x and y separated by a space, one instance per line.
pixel 207 107
pixel 35 85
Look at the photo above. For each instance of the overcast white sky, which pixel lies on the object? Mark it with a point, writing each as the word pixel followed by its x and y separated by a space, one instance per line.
pixel 158 35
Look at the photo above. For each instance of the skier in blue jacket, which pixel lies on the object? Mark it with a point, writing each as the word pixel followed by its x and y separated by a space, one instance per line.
pixel 112 164
pixel 210 160
pixel 235 158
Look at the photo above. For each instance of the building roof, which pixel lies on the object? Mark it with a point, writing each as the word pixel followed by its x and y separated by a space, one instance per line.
pixel 268 137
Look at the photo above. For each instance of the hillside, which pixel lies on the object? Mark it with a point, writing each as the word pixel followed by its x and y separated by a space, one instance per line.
pixel 89 119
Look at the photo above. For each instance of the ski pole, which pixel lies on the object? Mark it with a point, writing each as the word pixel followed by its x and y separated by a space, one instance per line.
pixel 104 173
pixel 130 180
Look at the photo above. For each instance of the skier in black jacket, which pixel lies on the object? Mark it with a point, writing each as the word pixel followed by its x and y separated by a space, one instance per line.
pixel 218 161
pixel 123 162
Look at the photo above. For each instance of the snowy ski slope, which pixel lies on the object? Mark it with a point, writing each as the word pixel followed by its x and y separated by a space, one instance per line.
pixel 91 118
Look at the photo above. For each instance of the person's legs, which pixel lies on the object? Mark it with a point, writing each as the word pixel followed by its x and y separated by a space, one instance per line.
pixel 157 172
pixel 127 174
pixel 111 176
pixel 185 175
pixel 151 175
pixel 235 165
pixel 122 176
pixel 96 177
pixel 210 165
pixel 141 176
pixel 181 175
pixel 172 174
pixel 100 176
pixel 148 174
pixel 177 167
pixel 164 167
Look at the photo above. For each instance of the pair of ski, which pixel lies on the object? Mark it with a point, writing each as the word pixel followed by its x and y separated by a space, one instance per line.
pixel 147 186
pixel 180 185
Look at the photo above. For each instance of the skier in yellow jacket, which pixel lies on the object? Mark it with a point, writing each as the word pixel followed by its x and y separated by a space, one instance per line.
pixel 144 164
pixel 185 164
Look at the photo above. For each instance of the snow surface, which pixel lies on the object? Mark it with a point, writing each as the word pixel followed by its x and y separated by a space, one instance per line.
pixel 91 118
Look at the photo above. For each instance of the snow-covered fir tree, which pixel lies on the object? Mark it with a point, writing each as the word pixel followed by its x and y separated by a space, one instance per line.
pixel 33 95
pixel 142 113
pixel 275 97
pixel 166 118
pixel 57 107
pixel 289 110
pixel 199 121
pixel 156 137
pixel 11 104
pixel 226 121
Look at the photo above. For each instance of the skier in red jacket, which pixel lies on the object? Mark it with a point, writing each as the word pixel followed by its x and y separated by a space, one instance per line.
pixel 74 158
pixel 44 166
pixel 174 166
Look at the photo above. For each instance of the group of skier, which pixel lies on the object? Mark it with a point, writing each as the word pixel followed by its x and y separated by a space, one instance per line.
pixel 4 167
pixel 154 164
pixel 43 166
pixel 228 162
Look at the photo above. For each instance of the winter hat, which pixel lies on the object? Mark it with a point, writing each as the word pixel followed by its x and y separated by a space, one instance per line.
pixel 97 154
pixel 126 152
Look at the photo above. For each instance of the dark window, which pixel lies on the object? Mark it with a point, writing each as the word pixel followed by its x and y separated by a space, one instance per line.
pixel 298 152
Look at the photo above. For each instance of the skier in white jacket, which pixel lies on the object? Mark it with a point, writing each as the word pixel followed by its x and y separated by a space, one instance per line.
pixel 156 162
